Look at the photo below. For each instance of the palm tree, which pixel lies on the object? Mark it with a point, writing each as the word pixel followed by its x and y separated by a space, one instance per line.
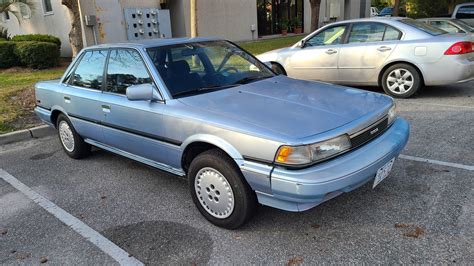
pixel 19 8
pixel 75 35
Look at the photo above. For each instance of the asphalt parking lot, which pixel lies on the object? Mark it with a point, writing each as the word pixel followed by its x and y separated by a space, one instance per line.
pixel 423 213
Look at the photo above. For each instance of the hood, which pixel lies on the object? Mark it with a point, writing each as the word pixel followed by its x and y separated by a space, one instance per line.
pixel 294 108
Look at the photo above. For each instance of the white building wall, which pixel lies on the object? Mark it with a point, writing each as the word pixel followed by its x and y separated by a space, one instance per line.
pixel 56 23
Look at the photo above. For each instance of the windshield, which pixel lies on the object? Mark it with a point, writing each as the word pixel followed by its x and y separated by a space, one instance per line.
pixel 194 68
pixel 423 27
pixel 464 25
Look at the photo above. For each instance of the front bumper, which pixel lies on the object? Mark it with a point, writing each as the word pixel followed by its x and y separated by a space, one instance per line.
pixel 299 190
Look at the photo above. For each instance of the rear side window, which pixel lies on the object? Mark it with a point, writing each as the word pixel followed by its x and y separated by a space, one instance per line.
pixel 465 12
pixel 126 68
pixel 89 72
pixel 373 32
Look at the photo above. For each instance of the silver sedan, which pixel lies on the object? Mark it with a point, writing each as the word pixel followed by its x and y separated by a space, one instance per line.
pixel 399 54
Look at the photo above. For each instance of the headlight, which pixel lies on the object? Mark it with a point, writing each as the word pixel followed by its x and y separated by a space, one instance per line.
pixel 306 154
pixel 392 113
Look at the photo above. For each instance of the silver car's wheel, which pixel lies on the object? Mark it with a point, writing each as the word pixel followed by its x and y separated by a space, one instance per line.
pixel 400 81
pixel 214 193
pixel 66 135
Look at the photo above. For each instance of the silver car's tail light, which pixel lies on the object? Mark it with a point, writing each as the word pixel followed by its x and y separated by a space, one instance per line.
pixel 460 48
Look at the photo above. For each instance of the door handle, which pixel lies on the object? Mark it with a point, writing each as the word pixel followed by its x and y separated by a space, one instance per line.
pixel 331 51
pixel 384 48
pixel 67 99
pixel 106 108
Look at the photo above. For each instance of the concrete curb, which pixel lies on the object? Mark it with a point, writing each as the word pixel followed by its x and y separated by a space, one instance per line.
pixel 25 134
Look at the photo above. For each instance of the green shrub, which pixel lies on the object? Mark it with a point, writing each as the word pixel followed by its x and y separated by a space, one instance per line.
pixel 37 54
pixel 3 39
pixel 8 58
pixel 37 38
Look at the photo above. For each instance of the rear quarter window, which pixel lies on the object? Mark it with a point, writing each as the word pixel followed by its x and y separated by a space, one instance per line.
pixel 423 27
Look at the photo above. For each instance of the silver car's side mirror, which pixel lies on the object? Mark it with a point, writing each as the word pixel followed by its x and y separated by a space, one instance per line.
pixel 143 92
pixel 301 44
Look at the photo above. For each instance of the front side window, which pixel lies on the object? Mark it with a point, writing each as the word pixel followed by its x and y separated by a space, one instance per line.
pixel 126 68
pixel 199 67
pixel 331 36
pixel 465 12
pixel 89 71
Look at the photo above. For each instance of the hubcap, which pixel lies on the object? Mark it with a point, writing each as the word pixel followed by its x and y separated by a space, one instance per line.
pixel 66 136
pixel 400 81
pixel 214 192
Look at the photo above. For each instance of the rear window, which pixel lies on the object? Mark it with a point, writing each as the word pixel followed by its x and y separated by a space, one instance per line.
pixel 465 12
pixel 423 27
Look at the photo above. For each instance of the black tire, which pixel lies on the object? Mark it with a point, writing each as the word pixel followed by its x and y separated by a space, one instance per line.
pixel 244 198
pixel 79 149
pixel 278 69
pixel 396 91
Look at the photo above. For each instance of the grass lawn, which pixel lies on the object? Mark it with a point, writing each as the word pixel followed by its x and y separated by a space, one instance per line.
pixel 261 46
pixel 17 98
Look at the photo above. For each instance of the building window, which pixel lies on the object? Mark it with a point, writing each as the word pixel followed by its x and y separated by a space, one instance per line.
pixel 47 7
pixel 271 13
pixel 6 16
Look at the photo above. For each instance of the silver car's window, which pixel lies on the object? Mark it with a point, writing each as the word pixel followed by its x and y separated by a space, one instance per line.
pixel 330 36
pixel 392 34
pixel 89 72
pixel 194 68
pixel 125 68
pixel 464 25
pixel 446 26
pixel 367 32
pixel 423 27
pixel 465 12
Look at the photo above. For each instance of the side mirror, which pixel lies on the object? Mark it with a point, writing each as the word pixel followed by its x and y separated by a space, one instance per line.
pixel 301 44
pixel 143 92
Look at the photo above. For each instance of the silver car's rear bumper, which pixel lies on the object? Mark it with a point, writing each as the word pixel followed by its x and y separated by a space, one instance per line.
pixel 448 70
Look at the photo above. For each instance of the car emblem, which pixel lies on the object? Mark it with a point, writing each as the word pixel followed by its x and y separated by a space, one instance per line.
pixel 374 131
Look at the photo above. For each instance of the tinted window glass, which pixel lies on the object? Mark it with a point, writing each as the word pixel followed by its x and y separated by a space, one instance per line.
pixel 423 27
pixel 88 73
pixel 465 12
pixel 329 36
pixel 444 25
pixel 126 68
pixel 392 34
pixel 367 32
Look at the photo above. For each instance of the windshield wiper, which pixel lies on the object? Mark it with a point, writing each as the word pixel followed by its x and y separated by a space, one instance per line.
pixel 216 87
pixel 250 79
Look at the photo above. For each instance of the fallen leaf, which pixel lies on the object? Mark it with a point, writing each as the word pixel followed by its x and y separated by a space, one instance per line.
pixel 402 225
pixel 415 233
pixel 294 261
pixel 3 232
pixel 43 259
pixel 316 226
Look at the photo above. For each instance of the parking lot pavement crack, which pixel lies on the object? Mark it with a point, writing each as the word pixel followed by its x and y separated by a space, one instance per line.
pixel 107 246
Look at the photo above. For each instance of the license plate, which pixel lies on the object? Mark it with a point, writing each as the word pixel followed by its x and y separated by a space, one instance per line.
pixel 383 172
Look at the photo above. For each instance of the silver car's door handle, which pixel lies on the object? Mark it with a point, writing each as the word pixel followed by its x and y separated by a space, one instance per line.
pixel 331 51
pixel 67 99
pixel 106 108
pixel 384 48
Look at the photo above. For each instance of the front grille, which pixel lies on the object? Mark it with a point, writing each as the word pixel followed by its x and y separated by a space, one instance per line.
pixel 370 133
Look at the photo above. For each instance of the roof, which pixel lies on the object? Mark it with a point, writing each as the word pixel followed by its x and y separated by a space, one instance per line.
pixel 154 42
pixel 371 19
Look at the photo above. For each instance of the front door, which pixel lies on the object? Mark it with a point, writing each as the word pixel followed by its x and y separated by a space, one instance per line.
pixel 82 94
pixel 131 126
pixel 368 46
pixel 317 59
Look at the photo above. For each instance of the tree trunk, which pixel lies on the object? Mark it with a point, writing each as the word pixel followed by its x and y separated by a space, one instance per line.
pixel 451 6
pixel 396 8
pixel 75 35
pixel 315 6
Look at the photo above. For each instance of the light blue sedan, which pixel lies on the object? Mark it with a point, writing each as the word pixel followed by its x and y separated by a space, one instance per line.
pixel 206 109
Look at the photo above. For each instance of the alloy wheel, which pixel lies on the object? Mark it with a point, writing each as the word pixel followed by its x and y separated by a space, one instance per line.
pixel 400 81
pixel 66 135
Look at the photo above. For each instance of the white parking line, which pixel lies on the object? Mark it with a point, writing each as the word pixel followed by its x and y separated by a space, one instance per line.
pixel 455 165
pixel 107 246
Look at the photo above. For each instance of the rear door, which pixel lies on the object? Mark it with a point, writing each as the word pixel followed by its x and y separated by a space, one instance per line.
pixel 82 94
pixel 368 46
pixel 317 60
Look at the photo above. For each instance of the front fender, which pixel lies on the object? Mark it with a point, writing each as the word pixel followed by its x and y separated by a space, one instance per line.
pixel 216 141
